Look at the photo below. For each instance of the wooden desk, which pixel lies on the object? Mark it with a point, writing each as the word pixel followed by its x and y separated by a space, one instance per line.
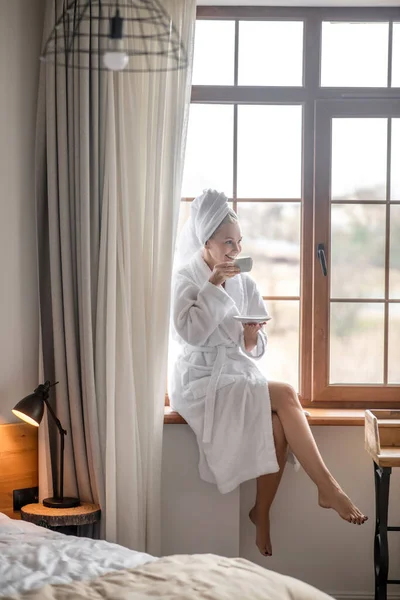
pixel 382 442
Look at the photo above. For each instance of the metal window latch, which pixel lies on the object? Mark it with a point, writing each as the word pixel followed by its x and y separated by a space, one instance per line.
pixel 322 259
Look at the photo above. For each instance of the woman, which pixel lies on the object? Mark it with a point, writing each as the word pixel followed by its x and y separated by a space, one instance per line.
pixel 242 423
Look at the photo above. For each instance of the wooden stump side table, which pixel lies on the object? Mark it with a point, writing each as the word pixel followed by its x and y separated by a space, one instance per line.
pixel 65 520
pixel 382 442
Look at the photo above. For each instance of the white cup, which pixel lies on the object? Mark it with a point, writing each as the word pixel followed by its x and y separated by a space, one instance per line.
pixel 245 264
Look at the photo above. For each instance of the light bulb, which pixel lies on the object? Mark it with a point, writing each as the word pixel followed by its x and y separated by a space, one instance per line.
pixel 115 60
pixel 114 57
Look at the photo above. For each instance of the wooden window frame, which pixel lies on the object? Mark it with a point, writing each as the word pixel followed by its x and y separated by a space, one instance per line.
pixel 311 97
pixel 372 394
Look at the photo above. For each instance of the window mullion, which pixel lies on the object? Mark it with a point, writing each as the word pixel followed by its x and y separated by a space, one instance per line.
pixel 236 63
pixel 235 118
pixel 311 69
pixel 235 154
pixel 390 54
pixel 387 253
pixel 312 56
pixel 321 284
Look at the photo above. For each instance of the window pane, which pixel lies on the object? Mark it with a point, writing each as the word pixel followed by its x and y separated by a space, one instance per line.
pixel 358 251
pixel 271 236
pixel 271 53
pixel 209 150
pixel 269 151
pixel 396 55
pixel 356 342
pixel 359 159
pixel 395 160
pixel 281 361
pixel 394 344
pixel 214 53
pixel 354 54
pixel 394 273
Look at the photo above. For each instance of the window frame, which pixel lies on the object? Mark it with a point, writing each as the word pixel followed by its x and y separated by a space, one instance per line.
pixel 322 390
pixel 311 96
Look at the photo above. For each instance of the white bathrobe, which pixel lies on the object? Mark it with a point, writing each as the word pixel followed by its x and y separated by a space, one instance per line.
pixel 214 384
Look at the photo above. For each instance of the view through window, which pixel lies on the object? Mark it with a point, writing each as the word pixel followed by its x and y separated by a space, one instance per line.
pixel 257 86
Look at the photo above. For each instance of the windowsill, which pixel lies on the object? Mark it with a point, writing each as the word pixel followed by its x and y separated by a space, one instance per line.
pixel 318 416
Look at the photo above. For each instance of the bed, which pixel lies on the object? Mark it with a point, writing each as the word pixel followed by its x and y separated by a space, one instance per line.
pixel 40 564
pixel 32 556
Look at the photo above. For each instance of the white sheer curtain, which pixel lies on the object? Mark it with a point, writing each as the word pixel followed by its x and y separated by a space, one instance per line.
pixel 109 166
pixel 144 164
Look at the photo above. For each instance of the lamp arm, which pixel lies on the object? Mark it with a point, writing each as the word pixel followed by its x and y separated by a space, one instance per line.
pixel 63 433
pixel 53 414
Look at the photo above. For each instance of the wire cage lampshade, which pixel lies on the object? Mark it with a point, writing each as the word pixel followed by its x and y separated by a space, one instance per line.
pixel 129 35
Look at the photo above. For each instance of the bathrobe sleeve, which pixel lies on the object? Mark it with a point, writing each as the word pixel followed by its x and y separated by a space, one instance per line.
pixel 198 311
pixel 256 306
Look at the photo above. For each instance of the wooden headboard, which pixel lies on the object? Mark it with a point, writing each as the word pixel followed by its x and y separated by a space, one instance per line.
pixel 18 462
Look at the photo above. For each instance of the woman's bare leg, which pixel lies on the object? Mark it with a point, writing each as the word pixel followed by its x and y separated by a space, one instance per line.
pixel 267 486
pixel 285 403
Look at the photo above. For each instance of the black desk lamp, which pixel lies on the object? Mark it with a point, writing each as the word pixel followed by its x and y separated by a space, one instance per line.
pixel 31 410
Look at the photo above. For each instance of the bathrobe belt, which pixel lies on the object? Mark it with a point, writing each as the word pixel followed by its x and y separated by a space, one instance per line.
pixel 211 392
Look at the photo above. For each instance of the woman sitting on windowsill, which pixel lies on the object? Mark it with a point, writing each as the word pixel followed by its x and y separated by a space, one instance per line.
pixel 243 424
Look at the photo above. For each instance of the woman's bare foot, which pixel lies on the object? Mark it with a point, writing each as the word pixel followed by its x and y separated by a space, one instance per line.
pixel 261 521
pixel 336 498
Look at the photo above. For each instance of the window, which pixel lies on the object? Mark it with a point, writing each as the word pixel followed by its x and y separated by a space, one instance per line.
pixel 295 115
pixel 356 218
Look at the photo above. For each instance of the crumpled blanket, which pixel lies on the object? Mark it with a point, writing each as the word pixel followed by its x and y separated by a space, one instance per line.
pixel 190 577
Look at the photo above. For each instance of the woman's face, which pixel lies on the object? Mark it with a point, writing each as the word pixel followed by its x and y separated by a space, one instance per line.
pixel 225 245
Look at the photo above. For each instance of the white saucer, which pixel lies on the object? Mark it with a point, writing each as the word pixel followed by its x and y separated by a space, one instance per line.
pixel 252 319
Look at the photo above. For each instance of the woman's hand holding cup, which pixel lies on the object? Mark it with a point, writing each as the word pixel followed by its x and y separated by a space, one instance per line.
pixel 223 271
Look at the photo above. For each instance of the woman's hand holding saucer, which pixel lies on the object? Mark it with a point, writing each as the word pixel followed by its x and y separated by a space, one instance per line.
pixel 222 272
pixel 250 333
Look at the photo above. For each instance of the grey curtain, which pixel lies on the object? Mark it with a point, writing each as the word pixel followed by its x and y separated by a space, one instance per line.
pixel 109 161
pixel 68 208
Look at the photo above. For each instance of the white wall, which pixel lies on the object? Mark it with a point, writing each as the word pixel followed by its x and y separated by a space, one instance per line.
pixel 309 543
pixel 196 518
pixel 20 41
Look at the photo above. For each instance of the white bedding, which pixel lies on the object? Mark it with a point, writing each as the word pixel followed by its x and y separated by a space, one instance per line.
pixel 188 577
pixel 31 556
